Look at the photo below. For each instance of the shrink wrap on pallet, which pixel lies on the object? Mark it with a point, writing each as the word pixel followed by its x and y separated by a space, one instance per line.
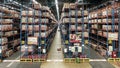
pixel 3 40
pixel 9 53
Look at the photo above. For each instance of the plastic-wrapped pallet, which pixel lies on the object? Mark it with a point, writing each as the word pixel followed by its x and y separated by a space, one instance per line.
pixel 24 48
pixel 44 34
pixel 3 40
pixel 9 53
pixel 37 6
pixel 31 48
pixel 86 34
pixel 3 48
pixel 44 20
pixel 5 27
pixel 24 19
pixel 45 14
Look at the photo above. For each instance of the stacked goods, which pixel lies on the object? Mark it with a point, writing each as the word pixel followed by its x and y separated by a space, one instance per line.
pixel 72 29
pixel 8 33
pixel 39 25
pixel 104 26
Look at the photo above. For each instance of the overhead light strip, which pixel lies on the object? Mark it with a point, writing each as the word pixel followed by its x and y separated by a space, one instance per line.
pixel 57 8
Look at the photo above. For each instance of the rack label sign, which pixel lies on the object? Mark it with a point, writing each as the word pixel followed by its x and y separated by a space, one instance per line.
pixel 112 36
pixel 32 40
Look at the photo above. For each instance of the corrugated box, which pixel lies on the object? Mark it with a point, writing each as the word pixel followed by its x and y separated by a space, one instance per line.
pixel 36 6
pixel 31 48
pixel 9 53
pixel 5 27
pixel 3 40
pixel 24 48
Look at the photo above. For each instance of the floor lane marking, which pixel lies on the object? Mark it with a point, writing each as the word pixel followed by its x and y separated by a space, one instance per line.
pixel 14 61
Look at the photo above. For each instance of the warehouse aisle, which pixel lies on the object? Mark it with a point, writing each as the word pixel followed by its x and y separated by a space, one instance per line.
pixel 55 56
pixel 94 55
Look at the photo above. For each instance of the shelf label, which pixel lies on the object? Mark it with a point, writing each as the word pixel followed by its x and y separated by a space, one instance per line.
pixel 33 40
pixel 66 41
pixel 86 41
pixel 112 36
pixel 110 42
pixel 23 42
pixel 42 42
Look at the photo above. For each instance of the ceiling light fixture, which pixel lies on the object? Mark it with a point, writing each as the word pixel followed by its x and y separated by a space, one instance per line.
pixel 57 8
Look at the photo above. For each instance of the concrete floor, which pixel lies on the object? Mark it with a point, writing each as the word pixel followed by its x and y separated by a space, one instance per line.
pixel 58 55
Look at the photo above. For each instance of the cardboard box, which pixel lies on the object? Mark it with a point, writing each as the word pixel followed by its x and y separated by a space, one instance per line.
pixel 36 6
pixel 3 40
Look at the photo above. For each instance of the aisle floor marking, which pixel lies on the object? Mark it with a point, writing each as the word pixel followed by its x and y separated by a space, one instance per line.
pixel 13 61
pixel 56 60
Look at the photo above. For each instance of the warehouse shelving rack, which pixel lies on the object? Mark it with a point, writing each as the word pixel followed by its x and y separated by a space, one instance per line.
pixel 104 40
pixel 47 26
pixel 9 16
pixel 66 25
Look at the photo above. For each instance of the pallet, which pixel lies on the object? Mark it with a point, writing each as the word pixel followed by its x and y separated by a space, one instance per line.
pixel 26 60
pixel 76 60
pixel 113 59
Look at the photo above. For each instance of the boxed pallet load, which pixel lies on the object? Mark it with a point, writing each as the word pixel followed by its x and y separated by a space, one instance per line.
pixel 72 5
pixel 107 20
pixel 9 53
pixel 15 32
pixel 24 13
pixel 100 33
pixel 99 20
pixel 18 48
pixel 64 31
pixel 72 36
pixel 30 27
pixel 36 6
pixel 102 52
pixel 24 48
pixel 44 27
pixel 66 6
pixel 24 20
pixel 16 42
pixel 44 34
pixel 6 33
pixel 66 20
pixel 31 48
pixel 85 12
pixel 5 27
pixel 32 40
pixel 46 14
pixel 7 20
pixel 37 13
pixel 3 40
pixel 86 34
pixel 72 20
pixel 30 20
pixel 3 48
pixel 24 27
pixel 44 20
pixel 28 13
pixel 85 19
pixel 107 27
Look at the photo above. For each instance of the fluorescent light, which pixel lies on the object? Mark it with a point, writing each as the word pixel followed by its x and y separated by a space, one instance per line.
pixel 57 8
pixel 35 1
